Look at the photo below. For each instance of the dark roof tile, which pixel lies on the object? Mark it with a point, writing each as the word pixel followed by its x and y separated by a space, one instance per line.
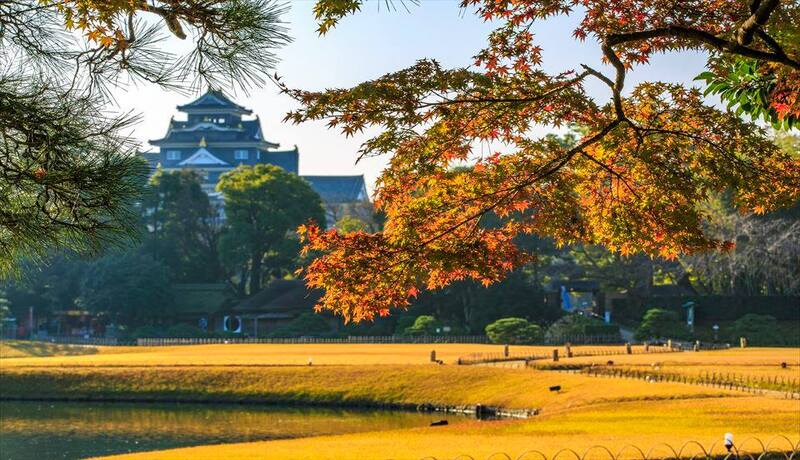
pixel 339 189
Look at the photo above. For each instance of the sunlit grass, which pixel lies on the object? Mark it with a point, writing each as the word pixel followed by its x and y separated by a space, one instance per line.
pixel 587 411
pixel 612 425
pixel 754 367
pixel 287 354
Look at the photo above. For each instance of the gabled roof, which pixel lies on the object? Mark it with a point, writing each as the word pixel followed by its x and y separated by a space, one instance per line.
pixel 339 189
pixel 202 157
pixel 213 99
pixel 247 131
pixel 200 298
pixel 281 296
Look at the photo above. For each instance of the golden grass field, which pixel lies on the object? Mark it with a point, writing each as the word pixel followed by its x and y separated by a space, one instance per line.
pixel 264 354
pixel 613 425
pixel 588 411
pixel 762 367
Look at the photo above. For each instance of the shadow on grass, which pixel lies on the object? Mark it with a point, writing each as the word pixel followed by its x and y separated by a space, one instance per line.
pixel 19 349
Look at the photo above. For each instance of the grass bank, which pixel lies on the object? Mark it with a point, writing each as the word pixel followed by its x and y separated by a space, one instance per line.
pixel 615 426
pixel 373 386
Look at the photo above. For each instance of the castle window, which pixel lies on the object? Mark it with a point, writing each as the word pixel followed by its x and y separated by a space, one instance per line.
pixel 173 154
pixel 240 154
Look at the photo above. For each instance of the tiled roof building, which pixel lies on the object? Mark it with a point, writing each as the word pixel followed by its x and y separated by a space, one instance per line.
pixel 215 139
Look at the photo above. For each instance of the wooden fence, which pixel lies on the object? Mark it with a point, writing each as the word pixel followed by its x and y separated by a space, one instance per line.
pixel 99 341
pixel 584 339
pixel 785 386
pixel 540 355
pixel 480 339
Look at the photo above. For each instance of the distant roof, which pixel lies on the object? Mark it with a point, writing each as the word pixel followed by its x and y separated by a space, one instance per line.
pixel 281 296
pixel 339 189
pixel 200 297
pixel 213 99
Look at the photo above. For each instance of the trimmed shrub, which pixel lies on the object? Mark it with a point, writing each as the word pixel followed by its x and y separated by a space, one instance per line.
pixel 306 324
pixel 660 323
pixel 514 331
pixel 423 325
pixel 185 331
pixel 148 332
pixel 404 321
pixel 575 325
pixel 764 330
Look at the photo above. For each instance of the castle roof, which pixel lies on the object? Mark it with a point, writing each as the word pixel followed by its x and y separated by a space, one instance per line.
pixel 213 101
pixel 246 131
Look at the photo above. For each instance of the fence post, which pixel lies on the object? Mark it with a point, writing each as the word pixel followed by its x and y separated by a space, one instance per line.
pixel 433 356
pixel 505 351
pixel 555 354
pixel 628 349
pixel 568 346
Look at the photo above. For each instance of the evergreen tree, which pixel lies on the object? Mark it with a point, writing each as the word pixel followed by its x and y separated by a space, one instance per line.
pixel 264 205
pixel 68 173
pixel 183 227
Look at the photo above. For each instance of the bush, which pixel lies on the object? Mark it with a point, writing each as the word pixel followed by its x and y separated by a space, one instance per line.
pixel 148 332
pixel 573 325
pixel 306 324
pixel 660 323
pixel 423 325
pixel 764 330
pixel 403 322
pixel 514 331
pixel 185 331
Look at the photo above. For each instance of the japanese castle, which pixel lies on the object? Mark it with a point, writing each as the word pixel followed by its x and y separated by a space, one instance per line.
pixel 215 139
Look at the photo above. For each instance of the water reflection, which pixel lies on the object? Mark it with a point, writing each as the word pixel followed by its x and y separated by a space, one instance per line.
pixel 42 430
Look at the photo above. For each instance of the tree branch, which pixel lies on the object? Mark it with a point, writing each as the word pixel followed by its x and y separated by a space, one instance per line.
pixel 757 20
pixel 704 37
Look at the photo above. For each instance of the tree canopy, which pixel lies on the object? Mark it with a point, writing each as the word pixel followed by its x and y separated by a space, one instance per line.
pixel 263 204
pixel 632 182
pixel 184 227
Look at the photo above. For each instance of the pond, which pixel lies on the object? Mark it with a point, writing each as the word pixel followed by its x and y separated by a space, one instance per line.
pixel 63 430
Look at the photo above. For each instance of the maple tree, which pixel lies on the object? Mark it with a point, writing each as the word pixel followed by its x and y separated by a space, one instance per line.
pixel 632 183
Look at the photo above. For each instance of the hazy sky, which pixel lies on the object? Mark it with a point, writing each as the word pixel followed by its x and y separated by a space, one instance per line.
pixel 370 44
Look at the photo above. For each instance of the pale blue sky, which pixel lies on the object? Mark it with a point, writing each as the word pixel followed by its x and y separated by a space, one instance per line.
pixel 370 44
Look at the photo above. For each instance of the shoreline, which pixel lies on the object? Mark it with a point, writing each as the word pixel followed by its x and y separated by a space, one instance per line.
pixel 478 411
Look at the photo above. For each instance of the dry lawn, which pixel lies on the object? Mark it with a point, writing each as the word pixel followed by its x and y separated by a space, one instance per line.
pixel 279 354
pixel 612 425
pixel 758 365
pixel 588 411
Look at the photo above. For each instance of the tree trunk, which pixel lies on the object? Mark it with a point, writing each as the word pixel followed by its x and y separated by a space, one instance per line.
pixel 255 273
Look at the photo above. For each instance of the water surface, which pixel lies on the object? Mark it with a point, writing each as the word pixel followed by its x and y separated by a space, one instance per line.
pixel 62 430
